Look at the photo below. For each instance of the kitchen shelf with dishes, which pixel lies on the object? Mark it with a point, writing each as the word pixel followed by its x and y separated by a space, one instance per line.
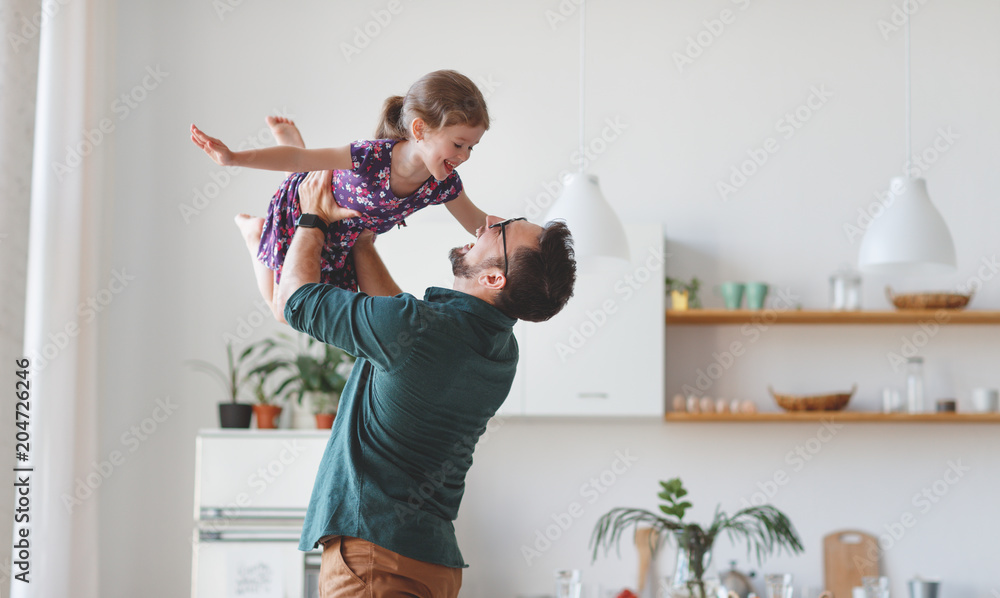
pixel 716 317
pixel 836 416
pixel 726 317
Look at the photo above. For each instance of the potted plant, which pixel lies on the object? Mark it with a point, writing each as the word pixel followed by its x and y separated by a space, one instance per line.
pixel 764 528
pixel 684 294
pixel 325 409
pixel 233 414
pixel 268 406
pixel 317 375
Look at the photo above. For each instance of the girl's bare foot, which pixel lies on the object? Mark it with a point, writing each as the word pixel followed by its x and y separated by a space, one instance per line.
pixel 285 132
pixel 251 228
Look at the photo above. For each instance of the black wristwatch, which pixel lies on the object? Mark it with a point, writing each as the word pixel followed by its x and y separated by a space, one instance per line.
pixel 312 221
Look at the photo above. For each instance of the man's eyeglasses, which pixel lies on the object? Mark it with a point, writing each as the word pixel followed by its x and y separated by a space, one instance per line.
pixel 503 235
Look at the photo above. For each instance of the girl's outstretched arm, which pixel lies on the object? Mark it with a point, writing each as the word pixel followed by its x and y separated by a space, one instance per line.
pixel 466 212
pixel 282 157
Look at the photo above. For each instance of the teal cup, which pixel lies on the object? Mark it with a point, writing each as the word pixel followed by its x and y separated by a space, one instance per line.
pixel 732 294
pixel 756 293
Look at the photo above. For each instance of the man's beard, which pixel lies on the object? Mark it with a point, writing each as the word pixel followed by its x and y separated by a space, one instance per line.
pixel 461 268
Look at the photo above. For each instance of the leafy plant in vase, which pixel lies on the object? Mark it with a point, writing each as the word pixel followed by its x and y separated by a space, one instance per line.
pixel 684 294
pixel 317 371
pixel 234 414
pixel 764 528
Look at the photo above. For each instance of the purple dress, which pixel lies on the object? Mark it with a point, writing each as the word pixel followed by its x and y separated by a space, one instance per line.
pixel 364 188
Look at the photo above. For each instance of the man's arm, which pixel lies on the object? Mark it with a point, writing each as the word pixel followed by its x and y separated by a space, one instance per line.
pixel 302 265
pixel 302 261
pixel 373 277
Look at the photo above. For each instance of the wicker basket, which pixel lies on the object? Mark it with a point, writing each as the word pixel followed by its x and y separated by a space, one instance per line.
pixel 928 300
pixel 828 402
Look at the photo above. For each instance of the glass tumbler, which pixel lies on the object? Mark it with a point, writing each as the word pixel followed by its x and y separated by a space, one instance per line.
pixel 875 586
pixel 778 585
pixel 568 583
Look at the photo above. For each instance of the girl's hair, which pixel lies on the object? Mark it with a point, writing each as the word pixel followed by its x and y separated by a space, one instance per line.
pixel 440 99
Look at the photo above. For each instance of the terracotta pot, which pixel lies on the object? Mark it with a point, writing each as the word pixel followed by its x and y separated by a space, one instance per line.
pixel 324 421
pixel 267 416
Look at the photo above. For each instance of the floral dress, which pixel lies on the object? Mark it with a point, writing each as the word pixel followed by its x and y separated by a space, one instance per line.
pixel 364 188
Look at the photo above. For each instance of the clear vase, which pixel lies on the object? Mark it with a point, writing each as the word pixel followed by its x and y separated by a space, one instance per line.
pixel 694 576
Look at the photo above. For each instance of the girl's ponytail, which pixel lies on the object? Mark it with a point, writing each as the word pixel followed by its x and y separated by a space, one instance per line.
pixel 390 125
pixel 440 99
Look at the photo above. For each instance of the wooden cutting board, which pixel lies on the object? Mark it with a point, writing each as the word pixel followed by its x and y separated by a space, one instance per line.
pixel 848 555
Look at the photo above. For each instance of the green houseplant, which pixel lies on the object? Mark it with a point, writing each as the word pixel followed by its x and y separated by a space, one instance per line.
pixel 684 294
pixel 317 373
pixel 764 528
pixel 240 370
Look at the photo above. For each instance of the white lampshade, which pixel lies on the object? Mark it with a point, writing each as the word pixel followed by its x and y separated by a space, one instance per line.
pixel 596 229
pixel 910 237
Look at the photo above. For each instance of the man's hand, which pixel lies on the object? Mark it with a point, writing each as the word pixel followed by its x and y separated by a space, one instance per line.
pixel 316 197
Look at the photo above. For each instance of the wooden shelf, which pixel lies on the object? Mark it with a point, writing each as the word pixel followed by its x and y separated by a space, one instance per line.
pixel 837 416
pixel 708 317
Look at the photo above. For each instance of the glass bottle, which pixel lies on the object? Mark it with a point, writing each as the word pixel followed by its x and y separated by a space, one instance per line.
pixel 915 384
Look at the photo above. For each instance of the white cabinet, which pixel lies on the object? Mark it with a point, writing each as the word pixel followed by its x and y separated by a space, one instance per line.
pixel 256 473
pixel 601 356
pixel 252 488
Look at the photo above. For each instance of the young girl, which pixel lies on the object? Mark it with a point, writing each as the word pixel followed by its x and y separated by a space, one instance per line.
pixel 421 139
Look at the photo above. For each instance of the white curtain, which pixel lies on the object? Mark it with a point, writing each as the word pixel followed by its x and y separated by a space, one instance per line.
pixel 67 187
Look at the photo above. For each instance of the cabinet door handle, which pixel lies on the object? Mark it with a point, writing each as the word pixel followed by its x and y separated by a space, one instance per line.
pixel 592 395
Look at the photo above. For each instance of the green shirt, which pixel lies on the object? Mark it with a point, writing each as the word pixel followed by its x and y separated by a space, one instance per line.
pixel 429 376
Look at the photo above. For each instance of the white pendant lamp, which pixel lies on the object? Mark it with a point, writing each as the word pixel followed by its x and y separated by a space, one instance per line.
pixel 597 230
pixel 910 237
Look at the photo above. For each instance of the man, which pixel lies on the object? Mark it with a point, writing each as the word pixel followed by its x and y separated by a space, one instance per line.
pixel 428 377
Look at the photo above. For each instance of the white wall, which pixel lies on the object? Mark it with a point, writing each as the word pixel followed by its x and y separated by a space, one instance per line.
pixel 684 131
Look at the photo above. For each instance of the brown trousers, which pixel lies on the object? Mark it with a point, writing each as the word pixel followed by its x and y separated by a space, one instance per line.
pixel 355 568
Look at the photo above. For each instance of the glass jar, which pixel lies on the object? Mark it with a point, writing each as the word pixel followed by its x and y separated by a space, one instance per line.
pixel 845 290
